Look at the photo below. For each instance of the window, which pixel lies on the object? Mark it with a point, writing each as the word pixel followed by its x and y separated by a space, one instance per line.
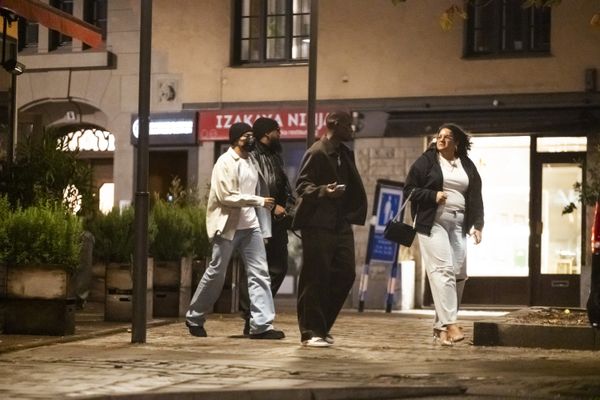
pixel 505 28
pixel 271 31
pixel 506 203
pixel 57 39
pixel 28 34
pixel 95 12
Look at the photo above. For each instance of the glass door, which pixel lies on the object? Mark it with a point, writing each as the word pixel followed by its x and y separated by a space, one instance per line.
pixel 556 240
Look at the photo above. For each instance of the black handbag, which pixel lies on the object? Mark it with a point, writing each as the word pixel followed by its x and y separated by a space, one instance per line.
pixel 398 231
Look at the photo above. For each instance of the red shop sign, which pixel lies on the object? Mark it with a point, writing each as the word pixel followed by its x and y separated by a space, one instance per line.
pixel 214 125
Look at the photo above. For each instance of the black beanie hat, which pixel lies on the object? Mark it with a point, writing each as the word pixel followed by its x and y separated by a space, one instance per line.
pixel 262 126
pixel 237 130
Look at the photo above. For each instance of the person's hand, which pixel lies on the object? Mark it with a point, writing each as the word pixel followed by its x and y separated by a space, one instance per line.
pixel 279 212
pixel 334 191
pixel 269 203
pixel 476 234
pixel 441 197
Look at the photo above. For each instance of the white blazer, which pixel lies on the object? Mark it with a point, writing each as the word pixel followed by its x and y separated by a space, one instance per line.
pixel 225 199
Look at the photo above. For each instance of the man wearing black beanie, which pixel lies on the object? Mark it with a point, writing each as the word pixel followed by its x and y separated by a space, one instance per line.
pixel 236 220
pixel 267 157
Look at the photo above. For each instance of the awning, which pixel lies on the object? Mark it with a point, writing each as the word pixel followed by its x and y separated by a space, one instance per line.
pixel 53 18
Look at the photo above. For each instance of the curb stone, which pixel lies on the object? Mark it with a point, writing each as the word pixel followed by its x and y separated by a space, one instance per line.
pixel 331 393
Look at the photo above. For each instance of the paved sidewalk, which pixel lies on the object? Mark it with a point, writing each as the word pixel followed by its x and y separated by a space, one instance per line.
pixel 376 356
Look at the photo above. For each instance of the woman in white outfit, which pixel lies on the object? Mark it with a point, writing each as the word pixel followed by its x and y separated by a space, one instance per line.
pixel 446 202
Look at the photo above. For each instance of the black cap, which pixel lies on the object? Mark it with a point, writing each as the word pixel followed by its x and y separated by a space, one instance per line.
pixel 237 130
pixel 262 126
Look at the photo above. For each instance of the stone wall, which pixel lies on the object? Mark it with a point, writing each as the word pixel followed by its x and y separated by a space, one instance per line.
pixel 383 158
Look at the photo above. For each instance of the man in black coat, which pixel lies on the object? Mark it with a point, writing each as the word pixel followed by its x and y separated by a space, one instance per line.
pixel 267 158
pixel 330 199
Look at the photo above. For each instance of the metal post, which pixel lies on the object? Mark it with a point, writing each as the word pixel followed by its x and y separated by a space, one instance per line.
pixel 312 72
pixel 140 262
pixel 12 121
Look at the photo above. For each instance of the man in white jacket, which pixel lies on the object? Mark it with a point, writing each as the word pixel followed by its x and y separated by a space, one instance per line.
pixel 237 219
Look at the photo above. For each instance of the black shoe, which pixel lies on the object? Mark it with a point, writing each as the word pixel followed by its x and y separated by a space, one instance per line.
pixel 246 331
pixel 197 331
pixel 272 334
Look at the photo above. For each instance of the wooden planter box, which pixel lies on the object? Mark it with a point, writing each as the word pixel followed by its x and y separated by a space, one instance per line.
pixel 98 284
pixel 37 301
pixel 119 292
pixel 172 287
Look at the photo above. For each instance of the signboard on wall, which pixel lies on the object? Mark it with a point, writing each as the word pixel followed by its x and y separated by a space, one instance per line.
pixel 214 125
pixel 168 129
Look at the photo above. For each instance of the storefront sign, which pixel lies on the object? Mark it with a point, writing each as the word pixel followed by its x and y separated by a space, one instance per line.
pixel 214 125
pixel 168 129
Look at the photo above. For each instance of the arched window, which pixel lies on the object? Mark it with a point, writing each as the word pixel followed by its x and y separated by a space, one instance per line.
pixel 89 139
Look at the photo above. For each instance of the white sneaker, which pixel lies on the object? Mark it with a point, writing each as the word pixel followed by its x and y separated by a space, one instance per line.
pixel 329 339
pixel 316 341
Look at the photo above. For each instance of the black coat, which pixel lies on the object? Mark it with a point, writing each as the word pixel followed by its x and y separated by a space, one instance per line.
pixel 319 168
pixel 425 179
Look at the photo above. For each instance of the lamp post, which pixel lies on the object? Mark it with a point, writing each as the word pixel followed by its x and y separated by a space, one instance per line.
pixel 140 262
pixel 312 72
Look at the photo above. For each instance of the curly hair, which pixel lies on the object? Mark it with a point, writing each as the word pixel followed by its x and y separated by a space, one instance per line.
pixel 462 139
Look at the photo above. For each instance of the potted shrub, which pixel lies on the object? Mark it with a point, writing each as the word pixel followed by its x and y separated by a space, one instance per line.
pixel 180 238
pixel 113 249
pixel 172 252
pixel 41 257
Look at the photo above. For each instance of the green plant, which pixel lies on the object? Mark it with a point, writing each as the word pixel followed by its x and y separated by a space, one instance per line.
pixel 200 243
pixel 113 235
pixel 173 239
pixel 185 204
pixel 44 234
pixel 43 172
pixel 4 215
pixel 589 191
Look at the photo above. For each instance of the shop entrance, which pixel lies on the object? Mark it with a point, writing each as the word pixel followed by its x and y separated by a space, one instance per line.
pixel 556 238
pixel 164 166
pixel 531 253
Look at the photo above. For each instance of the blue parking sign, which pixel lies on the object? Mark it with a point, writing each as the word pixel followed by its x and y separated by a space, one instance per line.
pixel 389 202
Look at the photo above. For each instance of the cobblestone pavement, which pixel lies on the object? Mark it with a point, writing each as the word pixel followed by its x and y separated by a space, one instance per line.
pixel 372 349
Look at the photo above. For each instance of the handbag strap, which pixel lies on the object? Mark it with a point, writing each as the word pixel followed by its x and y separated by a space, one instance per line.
pixel 397 216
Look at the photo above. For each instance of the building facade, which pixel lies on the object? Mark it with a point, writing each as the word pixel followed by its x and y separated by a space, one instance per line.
pixel 523 81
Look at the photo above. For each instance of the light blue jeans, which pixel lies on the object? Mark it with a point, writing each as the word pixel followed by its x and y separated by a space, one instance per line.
pixel 251 247
pixel 444 255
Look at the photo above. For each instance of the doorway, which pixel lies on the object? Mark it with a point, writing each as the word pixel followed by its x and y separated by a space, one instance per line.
pixel 556 245
pixel 164 166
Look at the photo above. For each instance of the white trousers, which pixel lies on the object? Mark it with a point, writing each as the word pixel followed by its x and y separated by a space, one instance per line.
pixel 444 256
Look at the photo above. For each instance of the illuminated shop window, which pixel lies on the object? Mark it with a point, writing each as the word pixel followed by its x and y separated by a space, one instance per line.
pixel 88 140
pixel 92 140
pixel 107 197
pixel 72 198
pixel 561 144
pixel 505 191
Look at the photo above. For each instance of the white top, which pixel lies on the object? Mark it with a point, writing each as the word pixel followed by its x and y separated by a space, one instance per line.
pixel 456 183
pixel 225 199
pixel 248 180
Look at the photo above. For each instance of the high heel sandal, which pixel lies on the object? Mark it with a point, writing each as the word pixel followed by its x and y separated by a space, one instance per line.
pixel 456 337
pixel 442 338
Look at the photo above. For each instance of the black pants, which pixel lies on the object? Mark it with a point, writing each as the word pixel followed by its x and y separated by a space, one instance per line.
pixel 326 277
pixel 277 258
